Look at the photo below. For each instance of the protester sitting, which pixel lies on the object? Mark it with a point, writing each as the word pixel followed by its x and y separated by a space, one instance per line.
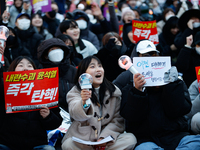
pixel 13 48
pixel 144 108
pixel 19 6
pixel 83 22
pixel 189 24
pixel 166 39
pixel 54 7
pixel 50 21
pixel 54 53
pixel 83 47
pixel 189 58
pixel 25 130
pixel 37 22
pixel 113 48
pixel 100 117
pixel 29 40
pixel 167 13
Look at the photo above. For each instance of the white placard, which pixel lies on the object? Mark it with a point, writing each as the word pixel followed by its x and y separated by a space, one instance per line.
pixel 152 68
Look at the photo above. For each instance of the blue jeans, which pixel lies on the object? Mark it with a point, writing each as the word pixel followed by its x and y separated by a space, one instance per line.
pixel 190 142
pixel 41 147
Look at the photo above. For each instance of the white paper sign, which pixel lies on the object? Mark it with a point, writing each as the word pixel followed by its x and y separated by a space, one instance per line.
pixel 107 139
pixel 152 68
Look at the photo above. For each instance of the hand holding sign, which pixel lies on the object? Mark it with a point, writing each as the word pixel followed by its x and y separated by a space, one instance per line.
pixel 153 69
pixel 44 112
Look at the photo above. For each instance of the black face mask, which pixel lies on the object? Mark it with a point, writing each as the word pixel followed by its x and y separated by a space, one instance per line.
pixel 11 40
pixel 52 13
pixel 115 50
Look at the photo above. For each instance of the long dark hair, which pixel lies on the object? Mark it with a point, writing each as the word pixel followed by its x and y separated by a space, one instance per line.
pixel 39 15
pixel 106 85
pixel 17 60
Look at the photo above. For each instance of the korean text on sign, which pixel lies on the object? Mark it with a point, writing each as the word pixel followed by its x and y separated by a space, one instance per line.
pixel 145 30
pixel 29 90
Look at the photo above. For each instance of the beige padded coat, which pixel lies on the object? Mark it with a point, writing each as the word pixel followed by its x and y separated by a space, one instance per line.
pixel 87 124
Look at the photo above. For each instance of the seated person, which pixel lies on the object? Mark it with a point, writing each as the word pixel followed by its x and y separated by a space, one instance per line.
pixel 99 118
pixel 155 115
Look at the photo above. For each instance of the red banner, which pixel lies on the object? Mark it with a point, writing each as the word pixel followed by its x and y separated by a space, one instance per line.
pixel 198 75
pixel 145 30
pixel 29 90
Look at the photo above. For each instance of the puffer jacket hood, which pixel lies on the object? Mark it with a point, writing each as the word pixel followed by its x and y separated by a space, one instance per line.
pixel 44 47
pixel 79 13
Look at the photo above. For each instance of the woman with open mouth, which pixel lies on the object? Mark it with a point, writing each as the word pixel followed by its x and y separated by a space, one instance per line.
pixel 99 118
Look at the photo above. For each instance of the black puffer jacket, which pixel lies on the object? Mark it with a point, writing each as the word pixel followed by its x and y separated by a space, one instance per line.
pixel 13 48
pixel 23 131
pixel 109 59
pixel 126 29
pixel 157 114
pixel 29 40
pixel 187 60
pixel 66 71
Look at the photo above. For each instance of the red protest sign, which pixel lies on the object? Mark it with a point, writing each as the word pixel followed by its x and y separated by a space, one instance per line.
pixel 29 90
pixel 198 75
pixel 145 30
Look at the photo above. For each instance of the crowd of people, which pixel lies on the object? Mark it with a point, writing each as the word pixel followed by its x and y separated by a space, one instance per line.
pixel 82 36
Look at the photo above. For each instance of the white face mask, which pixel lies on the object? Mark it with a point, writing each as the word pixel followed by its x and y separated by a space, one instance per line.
pixel 82 24
pixel 23 24
pixel 56 55
pixel 198 50
pixel 196 24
